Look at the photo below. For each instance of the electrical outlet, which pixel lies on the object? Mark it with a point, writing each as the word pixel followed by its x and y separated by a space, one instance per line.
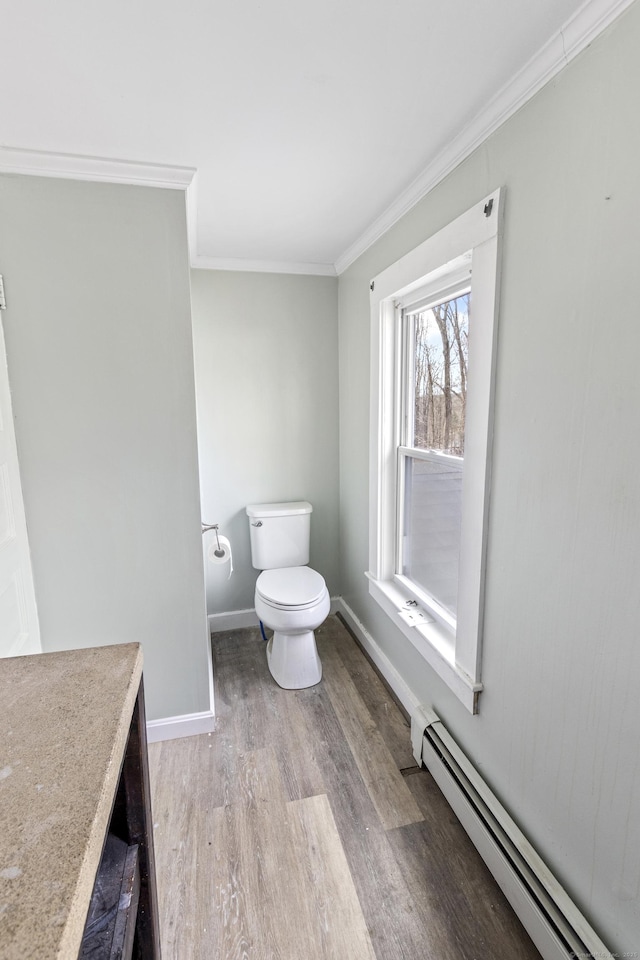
pixel 413 616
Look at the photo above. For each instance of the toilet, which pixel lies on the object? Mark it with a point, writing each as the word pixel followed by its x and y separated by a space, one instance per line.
pixel 291 598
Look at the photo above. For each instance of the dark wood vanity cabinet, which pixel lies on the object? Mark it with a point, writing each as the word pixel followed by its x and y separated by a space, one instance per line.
pixel 122 922
pixel 76 830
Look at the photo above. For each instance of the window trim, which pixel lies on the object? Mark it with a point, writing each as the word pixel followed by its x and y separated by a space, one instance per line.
pixel 436 265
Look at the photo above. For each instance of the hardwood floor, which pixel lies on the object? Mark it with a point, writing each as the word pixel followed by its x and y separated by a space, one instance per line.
pixel 303 830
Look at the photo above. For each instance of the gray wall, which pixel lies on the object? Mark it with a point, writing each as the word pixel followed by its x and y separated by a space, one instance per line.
pixel 266 349
pixel 101 370
pixel 557 733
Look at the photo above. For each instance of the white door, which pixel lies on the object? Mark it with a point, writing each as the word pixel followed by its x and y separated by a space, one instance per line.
pixel 19 631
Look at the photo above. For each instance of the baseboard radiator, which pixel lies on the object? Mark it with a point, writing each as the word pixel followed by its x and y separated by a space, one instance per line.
pixel 552 920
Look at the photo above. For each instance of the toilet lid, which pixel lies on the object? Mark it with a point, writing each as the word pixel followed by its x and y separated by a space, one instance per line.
pixel 290 586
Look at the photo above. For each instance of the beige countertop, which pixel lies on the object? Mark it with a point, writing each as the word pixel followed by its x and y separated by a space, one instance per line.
pixel 64 724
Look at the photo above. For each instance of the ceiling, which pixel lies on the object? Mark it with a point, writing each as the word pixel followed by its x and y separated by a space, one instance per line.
pixel 311 125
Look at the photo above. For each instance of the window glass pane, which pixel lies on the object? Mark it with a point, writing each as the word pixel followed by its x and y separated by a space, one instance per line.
pixel 433 511
pixel 439 352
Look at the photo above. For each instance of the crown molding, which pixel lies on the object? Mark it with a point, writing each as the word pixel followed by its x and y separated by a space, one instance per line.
pixel 576 34
pixel 263 266
pixel 40 163
pixel 192 219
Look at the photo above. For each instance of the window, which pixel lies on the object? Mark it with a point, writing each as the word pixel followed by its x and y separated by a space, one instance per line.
pixel 433 387
pixel 433 333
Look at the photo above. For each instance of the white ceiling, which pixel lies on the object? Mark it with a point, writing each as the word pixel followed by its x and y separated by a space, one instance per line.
pixel 306 121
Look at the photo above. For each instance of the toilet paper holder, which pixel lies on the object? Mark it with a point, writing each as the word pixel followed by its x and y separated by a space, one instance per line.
pixel 219 552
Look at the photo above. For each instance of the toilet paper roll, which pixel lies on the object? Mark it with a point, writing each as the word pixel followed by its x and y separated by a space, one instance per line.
pixel 222 554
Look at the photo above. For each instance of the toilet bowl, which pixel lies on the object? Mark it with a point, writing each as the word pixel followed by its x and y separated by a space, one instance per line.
pixel 293 602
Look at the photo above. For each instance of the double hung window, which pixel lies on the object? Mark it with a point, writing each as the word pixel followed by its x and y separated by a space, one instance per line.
pixel 434 370
pixel 433 323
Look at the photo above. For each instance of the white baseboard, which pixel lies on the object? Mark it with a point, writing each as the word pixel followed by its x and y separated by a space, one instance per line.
pixel 232 620
pixel 186 725
pixel 237 619
pixel 404 694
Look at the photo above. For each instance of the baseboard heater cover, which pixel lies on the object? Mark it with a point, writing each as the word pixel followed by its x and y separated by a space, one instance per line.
pixel 551 918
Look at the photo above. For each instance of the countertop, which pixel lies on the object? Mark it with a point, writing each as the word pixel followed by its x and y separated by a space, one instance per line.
pixel 64 724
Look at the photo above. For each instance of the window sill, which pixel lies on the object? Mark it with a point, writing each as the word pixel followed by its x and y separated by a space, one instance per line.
pixel 432 641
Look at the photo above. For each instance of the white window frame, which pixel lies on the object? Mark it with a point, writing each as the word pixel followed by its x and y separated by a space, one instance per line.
pixel 452 648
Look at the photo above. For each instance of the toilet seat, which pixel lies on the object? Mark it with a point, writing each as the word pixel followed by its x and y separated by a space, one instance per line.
pixel 291 588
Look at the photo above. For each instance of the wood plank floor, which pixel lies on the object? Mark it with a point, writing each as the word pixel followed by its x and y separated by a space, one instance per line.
pixel 303 830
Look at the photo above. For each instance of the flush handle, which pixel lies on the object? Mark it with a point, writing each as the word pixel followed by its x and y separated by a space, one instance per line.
pixel 258 523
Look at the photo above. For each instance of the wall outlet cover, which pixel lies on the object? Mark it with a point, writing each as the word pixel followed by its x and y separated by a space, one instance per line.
pixel 412 617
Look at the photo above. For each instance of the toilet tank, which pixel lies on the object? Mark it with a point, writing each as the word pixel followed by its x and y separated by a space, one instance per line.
pixel 279 534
